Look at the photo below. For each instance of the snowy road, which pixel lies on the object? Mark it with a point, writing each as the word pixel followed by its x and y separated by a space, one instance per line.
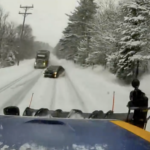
pixel 84 89
pixel 49 93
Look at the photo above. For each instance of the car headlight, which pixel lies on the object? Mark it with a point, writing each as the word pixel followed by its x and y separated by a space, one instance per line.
pixel 44 64
pixel 55 73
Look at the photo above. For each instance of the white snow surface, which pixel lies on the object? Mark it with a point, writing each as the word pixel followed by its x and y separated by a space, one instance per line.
pixel 86 89
pixel 74 146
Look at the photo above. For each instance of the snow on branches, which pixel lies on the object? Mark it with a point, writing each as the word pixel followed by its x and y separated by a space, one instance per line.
pixel 134 38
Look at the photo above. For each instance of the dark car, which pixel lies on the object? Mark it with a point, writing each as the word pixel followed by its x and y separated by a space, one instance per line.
pixel 54 71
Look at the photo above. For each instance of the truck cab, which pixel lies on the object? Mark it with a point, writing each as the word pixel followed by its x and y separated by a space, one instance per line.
pixel 42 59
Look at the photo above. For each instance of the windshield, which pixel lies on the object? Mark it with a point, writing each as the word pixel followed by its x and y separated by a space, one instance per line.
pixel 95 49
pixel 41 56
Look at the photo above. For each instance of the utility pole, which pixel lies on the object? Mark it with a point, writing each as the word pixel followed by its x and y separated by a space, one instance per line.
pixel 24 18
pixel 25 15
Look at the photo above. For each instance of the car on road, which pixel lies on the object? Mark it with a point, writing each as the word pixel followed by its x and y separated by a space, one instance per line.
pixel 54 71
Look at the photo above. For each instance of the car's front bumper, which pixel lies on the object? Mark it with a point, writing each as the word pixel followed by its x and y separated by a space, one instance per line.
pixel 40 66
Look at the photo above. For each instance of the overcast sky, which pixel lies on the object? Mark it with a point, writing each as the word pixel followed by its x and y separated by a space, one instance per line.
pixel 48 19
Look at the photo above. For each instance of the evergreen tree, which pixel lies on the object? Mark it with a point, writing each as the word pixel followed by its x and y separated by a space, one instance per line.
pixel 112 61
pixel 82 53
pixel 87 10
pixel 69 45
pixel 77 29
pixel 103 35
pixel 134 37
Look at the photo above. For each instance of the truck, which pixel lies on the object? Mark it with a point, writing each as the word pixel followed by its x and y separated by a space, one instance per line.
pixel 42 59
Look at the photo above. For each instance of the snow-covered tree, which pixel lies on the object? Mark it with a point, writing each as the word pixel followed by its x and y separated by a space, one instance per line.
pixel 77 29
pixel 69 46
pixel 112 61
pixel 12 48
pixel 87 11
pixel 134 36
pixel 82 53
pixel 103 34
pixel 94 58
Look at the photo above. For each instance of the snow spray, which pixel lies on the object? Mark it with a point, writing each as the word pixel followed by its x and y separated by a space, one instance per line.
pixel 31 99
pixel 113 101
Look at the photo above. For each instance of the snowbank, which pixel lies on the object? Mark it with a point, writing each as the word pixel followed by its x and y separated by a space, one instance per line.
pixel 10 74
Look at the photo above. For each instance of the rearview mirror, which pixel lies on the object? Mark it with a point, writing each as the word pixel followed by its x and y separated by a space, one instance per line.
pixel 11 110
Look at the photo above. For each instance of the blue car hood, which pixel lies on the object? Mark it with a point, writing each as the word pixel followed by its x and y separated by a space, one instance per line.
pixel 69 134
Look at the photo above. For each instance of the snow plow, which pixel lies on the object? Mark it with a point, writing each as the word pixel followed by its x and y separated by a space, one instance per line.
pixel 47 129
pixel 56 129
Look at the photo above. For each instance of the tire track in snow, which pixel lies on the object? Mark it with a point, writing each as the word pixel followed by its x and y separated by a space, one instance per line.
pixel 19 96
pixel 71 85
pixel 42 94
pixel 15 81
pixel 52 99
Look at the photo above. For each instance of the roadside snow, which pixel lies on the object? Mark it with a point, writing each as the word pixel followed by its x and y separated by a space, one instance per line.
pixel 10 74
